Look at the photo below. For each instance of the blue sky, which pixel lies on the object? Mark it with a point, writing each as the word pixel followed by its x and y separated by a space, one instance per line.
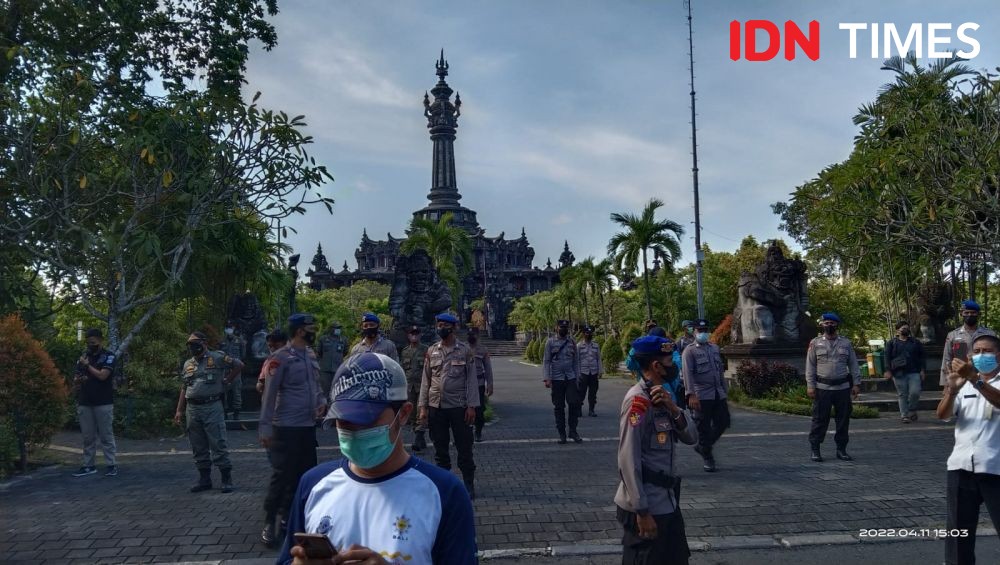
pixel 572 109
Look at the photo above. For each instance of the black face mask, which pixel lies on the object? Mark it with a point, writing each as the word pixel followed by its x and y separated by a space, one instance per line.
pixel 443 333
pixel 473 340
pixel 196 349
pixel 310 337
pixel 829 330
pixel 563 332
pixel 93 349
pixel 970 320
pixel 369 332
pixel 905 332
pixel 669 372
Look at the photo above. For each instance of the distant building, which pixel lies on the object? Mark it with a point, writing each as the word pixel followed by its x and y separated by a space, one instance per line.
pixel 503 269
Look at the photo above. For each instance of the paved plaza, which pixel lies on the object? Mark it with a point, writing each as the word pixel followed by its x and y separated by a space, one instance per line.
pixel 534 495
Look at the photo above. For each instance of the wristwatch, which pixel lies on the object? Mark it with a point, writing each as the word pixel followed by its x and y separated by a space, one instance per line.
pixel 979 384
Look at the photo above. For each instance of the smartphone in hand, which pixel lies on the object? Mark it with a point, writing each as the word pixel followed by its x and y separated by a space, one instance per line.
pixel 317 546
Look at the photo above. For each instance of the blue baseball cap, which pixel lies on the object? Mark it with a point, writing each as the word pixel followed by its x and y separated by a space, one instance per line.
pixel 446 318
pixel 364 386
pixel 830 317
pixel 369 317
pixel 650 344
pixel 970 305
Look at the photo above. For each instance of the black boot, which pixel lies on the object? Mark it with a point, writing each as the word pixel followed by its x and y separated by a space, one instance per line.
pixel 575 437
pixel 239 424
pixel 815 453
pixel 268 536
pixel 227 480
pixel 479 435
pixel 562 437
pixel 592 413
pixel 470 486
pixel 419 443
pixel 204 481
pixel 842 454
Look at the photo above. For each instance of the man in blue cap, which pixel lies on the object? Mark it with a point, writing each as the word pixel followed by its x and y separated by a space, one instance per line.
pixel 378 501
pixel 449 395
pixel 651 423
pixel 372 341
pixel 702 369
pixel 832 380
pixel 958 344
pixel 561 373
pixel 293 401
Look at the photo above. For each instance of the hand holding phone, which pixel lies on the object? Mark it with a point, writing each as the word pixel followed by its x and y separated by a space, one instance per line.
pixel 316 546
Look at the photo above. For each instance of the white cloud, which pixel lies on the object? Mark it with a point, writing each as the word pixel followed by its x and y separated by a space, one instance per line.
pixel 562 219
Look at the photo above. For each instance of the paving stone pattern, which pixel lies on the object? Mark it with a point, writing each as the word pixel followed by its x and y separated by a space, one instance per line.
pixel 533 493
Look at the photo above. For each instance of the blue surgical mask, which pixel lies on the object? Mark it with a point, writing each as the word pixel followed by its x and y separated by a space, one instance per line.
pixel 985 362
pixel 367 448
pixel 701 337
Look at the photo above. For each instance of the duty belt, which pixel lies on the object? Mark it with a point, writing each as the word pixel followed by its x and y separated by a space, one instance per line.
pixel 833 382
pixel 658 478
pixel 204 399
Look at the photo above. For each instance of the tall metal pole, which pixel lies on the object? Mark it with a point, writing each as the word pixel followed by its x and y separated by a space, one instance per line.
pixel 699 255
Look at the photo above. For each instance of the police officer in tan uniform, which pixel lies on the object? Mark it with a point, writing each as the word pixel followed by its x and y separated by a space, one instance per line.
pixel 650 426
pixel 372 341
pixel 449 395
pixel 484 377
pixel 958 343
pixel 832 380
pixel 561 373
pixel 204 377
pixel 412 360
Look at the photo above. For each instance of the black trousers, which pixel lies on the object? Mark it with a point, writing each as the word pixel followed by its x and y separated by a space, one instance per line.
pixel 669 547
pixel 966 493
pixel 824 401
pixel 444 423
pixel 292 453
pixel 566 393
pixel 481 409
pixel 588 388
pixel 713 419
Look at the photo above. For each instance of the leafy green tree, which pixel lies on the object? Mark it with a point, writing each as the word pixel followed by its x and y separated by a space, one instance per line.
pixel 449 248
pixel 643 234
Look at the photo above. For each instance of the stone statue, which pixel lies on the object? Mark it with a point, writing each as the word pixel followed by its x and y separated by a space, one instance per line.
pixel 417 295
pixel 935 310
pixel 247 314
pixel 772 301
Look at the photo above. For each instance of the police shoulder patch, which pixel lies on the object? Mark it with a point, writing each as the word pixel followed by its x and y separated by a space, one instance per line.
pixel 639 406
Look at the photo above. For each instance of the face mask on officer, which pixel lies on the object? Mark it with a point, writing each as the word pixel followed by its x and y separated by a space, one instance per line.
pixel 563 332
pixel 414 337
pixel 701 337
pixel 985 363
pixel 669 371
pixel 473 339
pixel 93 348
pixel 970 319
pixel 336 331
pixel 309 337
pixel 830 329
pixel 444 332
pixel 370 332
pixel 689 330
pixel 230 331
pixel 196 348
pixel 904 331
pixel 370 447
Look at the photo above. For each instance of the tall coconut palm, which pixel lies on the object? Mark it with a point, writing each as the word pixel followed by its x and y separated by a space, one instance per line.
pixel 573 284
pixel 449 247
pixel 598 276
pixel 643 234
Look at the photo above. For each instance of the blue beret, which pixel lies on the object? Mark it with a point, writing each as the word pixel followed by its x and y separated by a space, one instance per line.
pixel 649 344
pixel 657 331
pixel 446 318
pixel 369 317
pixel 830 316
pixel 970 305
pixel 301 320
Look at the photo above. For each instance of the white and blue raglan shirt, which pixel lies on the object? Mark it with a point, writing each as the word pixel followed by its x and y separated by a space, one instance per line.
pixel 418 515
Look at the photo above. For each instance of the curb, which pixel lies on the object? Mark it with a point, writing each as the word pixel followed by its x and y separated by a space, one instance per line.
pixel 46 471
pixel 613 546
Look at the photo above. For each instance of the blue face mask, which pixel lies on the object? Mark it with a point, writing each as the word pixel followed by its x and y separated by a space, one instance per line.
pixel 367 448
pixel 985 362
pixel 701 337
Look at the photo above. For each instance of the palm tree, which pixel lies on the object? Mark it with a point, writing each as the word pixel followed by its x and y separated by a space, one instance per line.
pixel 573 284
pixel 642 234
pixel 449 247
pixel 598 277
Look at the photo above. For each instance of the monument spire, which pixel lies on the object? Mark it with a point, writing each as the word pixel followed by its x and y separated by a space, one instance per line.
pixel 442 120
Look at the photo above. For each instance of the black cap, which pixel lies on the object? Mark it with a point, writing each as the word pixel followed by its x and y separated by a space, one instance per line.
pixel 588 330
pixel 562 323
pixel 413 330
pixel 701 323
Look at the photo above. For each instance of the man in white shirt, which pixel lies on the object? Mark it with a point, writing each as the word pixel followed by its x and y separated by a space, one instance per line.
pixel 379 505
pixel 973 397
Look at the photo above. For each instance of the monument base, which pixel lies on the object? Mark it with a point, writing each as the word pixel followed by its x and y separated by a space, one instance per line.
pixel 792 354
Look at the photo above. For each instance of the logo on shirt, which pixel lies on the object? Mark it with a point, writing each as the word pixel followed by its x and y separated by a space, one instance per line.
pixel 324 525
pixel 401 526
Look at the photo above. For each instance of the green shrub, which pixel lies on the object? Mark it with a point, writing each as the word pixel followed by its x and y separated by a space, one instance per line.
pixel 631 333
pixel 538 353
pixel 759 378
pixel 611 355
pixel 32 392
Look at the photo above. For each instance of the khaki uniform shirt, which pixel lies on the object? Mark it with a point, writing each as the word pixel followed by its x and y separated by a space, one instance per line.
pixel 203 378
pixel 648 438
pixel 412 361
pixel 381 345
pixel 831 364
pixel 449 379
pixel 953 345
pixel 484 367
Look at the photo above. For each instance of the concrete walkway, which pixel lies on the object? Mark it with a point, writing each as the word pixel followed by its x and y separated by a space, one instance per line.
pixel 536 498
